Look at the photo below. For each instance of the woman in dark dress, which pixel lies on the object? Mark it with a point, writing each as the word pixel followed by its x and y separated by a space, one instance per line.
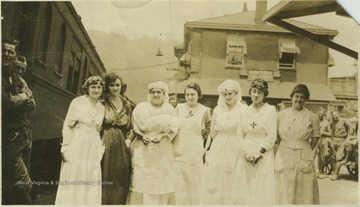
pixel 117 136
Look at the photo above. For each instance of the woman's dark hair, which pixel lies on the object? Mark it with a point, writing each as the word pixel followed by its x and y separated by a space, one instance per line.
pixel 112 77
pixel 261 85
pixel 196 87
pixel 92 80
pixel 301 88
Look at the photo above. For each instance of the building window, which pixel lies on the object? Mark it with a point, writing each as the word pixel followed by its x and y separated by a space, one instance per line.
pixel 74 74
pixel 46 24
pixel 61 48
pixel 287 60
pixel 287 53
pixel 86 68
pixel 340 108
pixel 91 71
pixel 235 52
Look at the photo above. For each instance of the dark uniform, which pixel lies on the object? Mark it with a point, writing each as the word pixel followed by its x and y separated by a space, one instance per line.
pixel 341 130
pixel 340 142
pixel 17 102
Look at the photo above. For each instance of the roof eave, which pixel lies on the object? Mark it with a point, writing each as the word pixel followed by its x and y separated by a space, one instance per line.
pixel 280 13
pixel 262 28
pixel 298 8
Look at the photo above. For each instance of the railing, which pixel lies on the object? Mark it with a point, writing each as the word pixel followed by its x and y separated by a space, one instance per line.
pixel 311 106
pixel 344 87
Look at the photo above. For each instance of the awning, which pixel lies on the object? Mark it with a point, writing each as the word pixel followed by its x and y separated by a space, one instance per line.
pixel 236 44
pixel 298 8
pixel 288 46
pixel 318 92
pixel 285 9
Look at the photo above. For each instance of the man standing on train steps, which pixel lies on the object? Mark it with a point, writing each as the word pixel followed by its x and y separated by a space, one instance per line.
pixel 17 102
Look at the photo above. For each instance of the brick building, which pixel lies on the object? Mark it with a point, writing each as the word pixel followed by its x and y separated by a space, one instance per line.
pixel 242 47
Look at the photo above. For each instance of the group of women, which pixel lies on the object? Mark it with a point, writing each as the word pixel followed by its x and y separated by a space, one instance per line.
pixel 96 164
pixel 155 154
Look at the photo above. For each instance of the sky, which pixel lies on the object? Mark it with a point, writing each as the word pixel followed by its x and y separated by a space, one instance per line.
pixel 171 15
pixel 165 19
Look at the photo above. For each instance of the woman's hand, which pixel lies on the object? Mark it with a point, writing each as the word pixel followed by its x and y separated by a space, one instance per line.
pixel 157 139
pixel 257 157
pixel 145 139
pixel 249 157
pixel 128 143
pixel 253 157
pixel 65 155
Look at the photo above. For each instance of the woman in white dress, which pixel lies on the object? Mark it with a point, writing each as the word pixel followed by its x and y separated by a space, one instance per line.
pixel 221 158
pixel 82 149
pixel 189 147
pixel 156 124
pixel 254 177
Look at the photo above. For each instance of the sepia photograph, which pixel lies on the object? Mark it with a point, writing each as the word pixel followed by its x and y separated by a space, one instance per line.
pixel 180 102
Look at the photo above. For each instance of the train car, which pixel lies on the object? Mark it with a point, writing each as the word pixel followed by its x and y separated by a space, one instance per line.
pixel 60 57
